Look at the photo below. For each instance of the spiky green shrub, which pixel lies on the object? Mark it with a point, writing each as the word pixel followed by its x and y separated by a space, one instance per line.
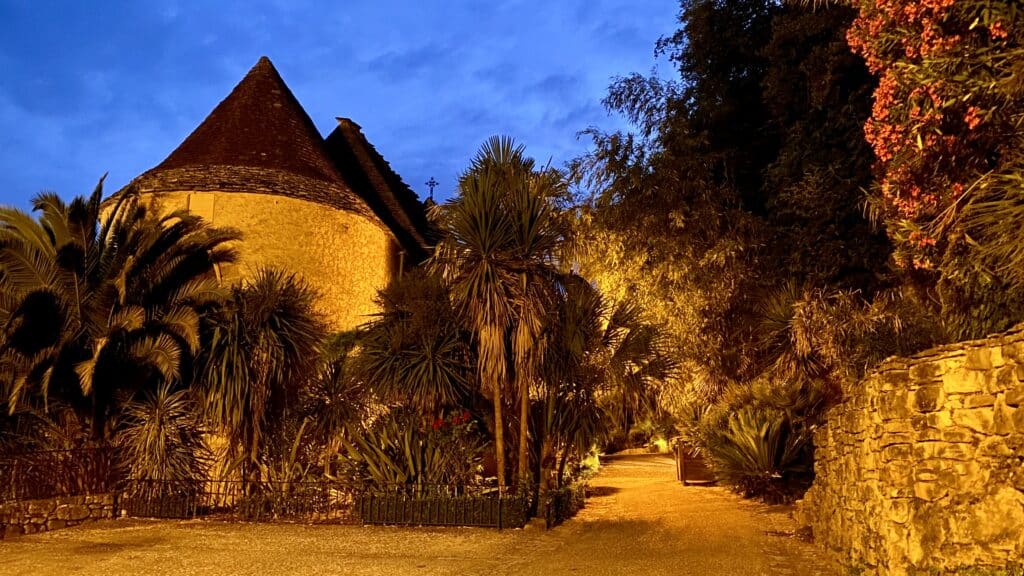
pixel 161 437
pixel 403 450
pixel 762 452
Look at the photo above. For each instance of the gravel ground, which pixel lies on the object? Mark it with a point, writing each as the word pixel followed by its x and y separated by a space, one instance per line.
pixel 640 521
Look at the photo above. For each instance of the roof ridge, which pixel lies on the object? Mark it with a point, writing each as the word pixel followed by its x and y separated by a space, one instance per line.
pixel 370 176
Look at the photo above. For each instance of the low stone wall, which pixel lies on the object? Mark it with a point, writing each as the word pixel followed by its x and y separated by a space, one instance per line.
pixel 31 516
pixel 921 469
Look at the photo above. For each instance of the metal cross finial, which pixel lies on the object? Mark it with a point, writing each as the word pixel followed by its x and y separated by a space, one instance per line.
pixel 432 183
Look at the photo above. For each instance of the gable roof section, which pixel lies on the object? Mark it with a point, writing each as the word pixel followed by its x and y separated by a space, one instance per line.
pixel 370 176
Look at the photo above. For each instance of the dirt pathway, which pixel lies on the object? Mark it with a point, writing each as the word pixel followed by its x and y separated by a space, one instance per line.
pixel 640 521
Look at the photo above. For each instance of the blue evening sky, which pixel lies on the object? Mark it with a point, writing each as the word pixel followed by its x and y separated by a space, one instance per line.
pixel 94 86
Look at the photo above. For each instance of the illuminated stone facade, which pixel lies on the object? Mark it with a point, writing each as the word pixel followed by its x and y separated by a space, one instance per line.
pixel 329 210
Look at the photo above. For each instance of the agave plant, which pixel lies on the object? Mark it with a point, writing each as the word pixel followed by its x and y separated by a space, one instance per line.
pixel 96 309
pixel 761 452
pixel 401 450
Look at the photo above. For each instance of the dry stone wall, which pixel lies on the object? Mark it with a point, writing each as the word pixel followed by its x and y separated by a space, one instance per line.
pixel 31 516
pixel 921 469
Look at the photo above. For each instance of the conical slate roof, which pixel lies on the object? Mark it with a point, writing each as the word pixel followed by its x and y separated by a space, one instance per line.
pixel 257 140
pixel 259 124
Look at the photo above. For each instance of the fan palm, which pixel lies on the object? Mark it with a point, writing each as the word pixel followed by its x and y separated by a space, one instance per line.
pixel 501 242
pixel 264 346
pixel 91 309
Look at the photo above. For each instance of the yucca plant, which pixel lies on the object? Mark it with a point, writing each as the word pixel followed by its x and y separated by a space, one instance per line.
pixel 161 437
pixel 502 238
pixel 416 352
pixel 265 346
pixel 335 398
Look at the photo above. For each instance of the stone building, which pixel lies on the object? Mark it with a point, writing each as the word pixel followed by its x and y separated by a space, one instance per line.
pixel 329 209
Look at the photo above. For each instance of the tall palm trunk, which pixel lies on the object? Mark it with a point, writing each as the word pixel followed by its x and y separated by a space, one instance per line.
pixel 499 436
pixel 524 432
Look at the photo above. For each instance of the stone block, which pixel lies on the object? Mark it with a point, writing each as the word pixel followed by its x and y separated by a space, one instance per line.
pixel 40 507
pixel 994 447
pixel 977 419
pixel 980 401
pixel 929 398
pixel 1002 419
pixel 11 530
pixel 998 520
pixel 979 359
pixel 1014 396
pixel 894 379
pixel 894 405
pixel 896 452
pixel 1011 351
pixel 889 439
pixel 55 524
pixel 925 372
pixel 78 512
pixel 964 381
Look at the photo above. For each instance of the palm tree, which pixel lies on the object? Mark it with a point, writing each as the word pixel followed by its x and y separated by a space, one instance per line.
pixel 636 362
pixel 500 248
pixel 264 346
pixel 414 353
pixel 573 374
pixel 95 310
pixel 605 364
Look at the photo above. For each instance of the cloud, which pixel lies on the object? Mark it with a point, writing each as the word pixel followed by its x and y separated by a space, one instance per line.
pixel 117 85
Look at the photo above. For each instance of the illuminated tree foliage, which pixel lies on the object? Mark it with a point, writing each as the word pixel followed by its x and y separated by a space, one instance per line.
pixel 743 175
pixel 946 130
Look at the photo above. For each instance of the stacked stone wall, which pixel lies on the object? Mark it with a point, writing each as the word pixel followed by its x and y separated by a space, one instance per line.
pixel 31 516
pixel 921 469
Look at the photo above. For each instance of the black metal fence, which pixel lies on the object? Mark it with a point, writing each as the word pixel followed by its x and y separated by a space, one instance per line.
pixel 51 473
pixel 317 501
pixel 444 506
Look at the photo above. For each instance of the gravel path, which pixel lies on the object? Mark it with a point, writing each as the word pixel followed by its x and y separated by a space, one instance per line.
pixel 640 521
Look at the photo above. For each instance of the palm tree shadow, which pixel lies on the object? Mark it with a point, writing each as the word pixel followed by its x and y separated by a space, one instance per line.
pixel 599 491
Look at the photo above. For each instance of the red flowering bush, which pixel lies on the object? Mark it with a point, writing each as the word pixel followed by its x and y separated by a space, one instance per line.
pixel 945 125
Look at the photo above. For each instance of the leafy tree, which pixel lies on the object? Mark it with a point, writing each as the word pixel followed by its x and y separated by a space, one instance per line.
pixel 744 174
pixel 95 310
pixel 264 348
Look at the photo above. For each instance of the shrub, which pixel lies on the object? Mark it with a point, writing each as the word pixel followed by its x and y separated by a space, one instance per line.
pixel 762 452
pixel 402 448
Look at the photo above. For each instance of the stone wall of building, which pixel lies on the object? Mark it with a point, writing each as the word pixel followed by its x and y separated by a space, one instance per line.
pixel 31 516
pixel 347 257
pixel 921 469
